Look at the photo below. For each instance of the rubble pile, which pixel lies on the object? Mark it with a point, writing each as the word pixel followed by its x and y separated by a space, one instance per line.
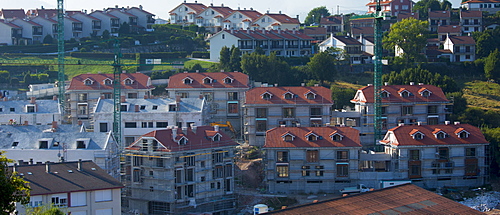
pixel 483 202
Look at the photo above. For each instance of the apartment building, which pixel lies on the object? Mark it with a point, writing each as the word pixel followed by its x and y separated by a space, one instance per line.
pixel 283 42
pixel 270 107
pixel 490 6
pixel 85 89
pixel 187 14
pixel 462 48
pixel 310 159
pixel 224 93
pixel 408 104
pixel 439 155
pixel 471 21
pixel 79 187
pixel 392 7
pixel 182 171
pixel 140 116
pixel 30 112
pixel 437 18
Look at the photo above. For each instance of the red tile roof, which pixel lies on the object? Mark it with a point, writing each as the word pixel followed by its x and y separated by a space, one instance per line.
pixel 199 140
pixel 140 81
pixel 436 95
pixel 403 15
pixel 9 24
pixel 282 18
pixel 402 135
pixel 61 180
pixel 331 20
pixel 194 6
pixel 267 34
pixel 275 139
pixel 11 14
pixel 252 14
pixel 323 95
pixel 439 14
pixel 347 40
pixel 449 29
pixel 462 40
pixel 481 1
pixel 402 199
pixel 382 2
pixel 45 13
pixel 224 11
pixel 314 31
pixel 471 13
pixel 362 30
pixel 240 80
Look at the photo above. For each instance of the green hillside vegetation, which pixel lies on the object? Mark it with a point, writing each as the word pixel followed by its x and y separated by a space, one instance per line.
pixel 482 94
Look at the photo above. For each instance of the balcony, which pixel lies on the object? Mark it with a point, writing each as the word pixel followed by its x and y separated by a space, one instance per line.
pixel 77 28
pixel 96 27
pixel 246 47
pixel 151 20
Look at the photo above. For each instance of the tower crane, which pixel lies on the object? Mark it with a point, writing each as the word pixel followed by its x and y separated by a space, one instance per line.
pixel 377 76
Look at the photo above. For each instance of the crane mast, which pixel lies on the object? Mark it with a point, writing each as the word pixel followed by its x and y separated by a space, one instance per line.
pixel 60 57
pixel 377 77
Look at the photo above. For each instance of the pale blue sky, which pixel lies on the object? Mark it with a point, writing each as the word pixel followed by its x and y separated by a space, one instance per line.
pixel 161 7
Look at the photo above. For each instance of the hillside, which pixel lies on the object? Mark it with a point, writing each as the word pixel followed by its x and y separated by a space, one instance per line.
pixel 482 94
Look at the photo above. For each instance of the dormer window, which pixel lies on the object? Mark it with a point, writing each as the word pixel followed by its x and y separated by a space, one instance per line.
pixel 207 80
pixel 182 141
pixel 107 81
pixel 288 95
pixel 288 137
pixel 424 92
pixel 418 136
pixel 228 80
pixel 187 80
pixel 384 94
pixel 128 81
pixel 216 137
pixel 266 95
pixel 336 137
pixel 88 82
pixel 405 94
pixel 310 95
pixel 312 137
pixel 440 135
pixel 30 108
pixel 462 133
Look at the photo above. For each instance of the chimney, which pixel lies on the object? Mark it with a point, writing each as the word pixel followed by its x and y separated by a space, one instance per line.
pixel 327 124
pixel 14 168
pixel 80 123
pixel 298 124
pixel 25 123
pixel 21 162
pixel 177 99
pixel 279 30
pixel 102 97
pixel 174 132
pixel 184 130
pixel 54 124
pixel 446 122
pixel 222 5
pixel 401 124
pixel 201 96
pixel 302 84
pixel 193 127
pixel 216 128
pixel 412 83
pixel 31 161
pixel 33 100
pixel 386 83
pixel 316 85
pixel 5 99
pixel 276 85
pixel 47 166
pixel 123 99
pixel 420 84
pixel 146 97
pixel 419 123
pixel 54 98
pixel 293 30
pixel 136 108
pixel 79 168
pixel 456 123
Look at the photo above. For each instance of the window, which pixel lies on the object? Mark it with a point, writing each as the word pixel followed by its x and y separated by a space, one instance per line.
pixel 342 155
pixel 232 96
pixel 107 82
pixel 443 153
pixel 415 171
pixel 315 112
pixel 107 95
pixel 12 109
pixel 184 95
pixel 161 124
pixel 426 93
pixel 418 136
pixel 405 94
pixel 232 108
pixel 217 157
pixel 60 200
pixel 440 135
pixel 312 156
pixel 208 96
pixel 261 112
pixel 282 157
pixel 78 199
pixel 261 125
pixel 406 110
pixel 30 109
pixel 282 171
pixel 130 125
pixel 288 112
pixel 266 96
pixel 80 144
pixel 218 172
pixel 306 173
pixel 189 174
pixel 342 170
pixel 228 80
pixel 132 95
pixel 288 138
pixel 146 124
pixel 82 97
pixel 82 109
pixel 128 81
pixel 43 144
pixel 432 121
pixel 414 155
pixel 35 201
pixel 88 82
pixel 158 207
pixel 288 95
pixel 470 152
pixel 312 137
pixel 463 135
pixel 432 109
pixel 336 137
pixel 310 96
pixel 207 81
pixel 123 108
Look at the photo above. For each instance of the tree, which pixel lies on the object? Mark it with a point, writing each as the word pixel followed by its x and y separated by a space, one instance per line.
pixel 315 15
pixel 4 76
pixel 224 58
pixel 422 76
pixel 27 79
pixel 105 34
pixel 45 210
pixel 410 35
pixel 322 66
pixel 492 66
pixel 196 67
pixel 48 39
pixel 342 96
pixel 270 69
pixel 235 59
pixel 14 188
pixel 423 6
pixel 338 53
pixel 124 29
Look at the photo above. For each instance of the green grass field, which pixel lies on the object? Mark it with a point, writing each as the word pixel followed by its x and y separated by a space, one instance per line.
pixel 482 94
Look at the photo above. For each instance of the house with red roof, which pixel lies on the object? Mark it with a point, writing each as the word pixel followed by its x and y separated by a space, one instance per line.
pixel 350 45
pixel 437 18
pixel 333 24
pixel 448 30
pixel 310 159
pixel 391 7
pixel 213 18
pixel 108 22
pixel 408 104
pixel 10 14
pixel 286 43
pixel 490 6
pixel 224 93
pixel 268 107
pixel 186 14
pixel 11 34
pixel 126 17
pixel 275 21
pixel 41 12
pixel 182 171
pixel 241 19
pixel 471 21
pixel 84 90
pixel 463 48
pixel 145 19
pixel 49 26
pixel 439 155
pixel 90 25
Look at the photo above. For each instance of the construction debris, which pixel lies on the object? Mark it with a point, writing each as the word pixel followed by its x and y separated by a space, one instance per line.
pixel 484 201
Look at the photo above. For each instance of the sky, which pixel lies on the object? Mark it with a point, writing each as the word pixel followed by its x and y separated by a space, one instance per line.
pixel 161 7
